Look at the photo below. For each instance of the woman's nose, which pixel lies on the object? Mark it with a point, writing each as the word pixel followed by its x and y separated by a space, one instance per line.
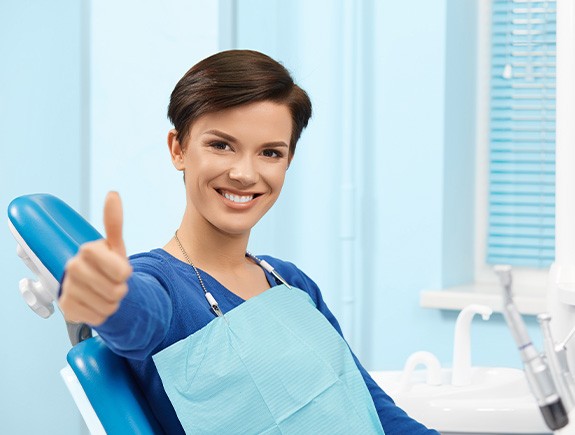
pixel 244 172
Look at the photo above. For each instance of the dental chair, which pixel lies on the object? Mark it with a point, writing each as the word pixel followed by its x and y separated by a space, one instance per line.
pixel 48 233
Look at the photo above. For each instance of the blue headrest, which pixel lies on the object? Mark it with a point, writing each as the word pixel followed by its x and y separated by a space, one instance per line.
pixel 111 389
pixel 51 228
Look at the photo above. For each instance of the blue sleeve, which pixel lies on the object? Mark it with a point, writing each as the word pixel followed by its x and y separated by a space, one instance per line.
pixel 144 315
pixel 394 420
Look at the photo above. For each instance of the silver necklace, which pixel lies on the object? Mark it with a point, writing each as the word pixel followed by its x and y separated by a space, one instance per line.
pixel 211 300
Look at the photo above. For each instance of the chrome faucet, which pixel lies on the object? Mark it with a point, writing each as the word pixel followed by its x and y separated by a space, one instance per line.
pixel 461 371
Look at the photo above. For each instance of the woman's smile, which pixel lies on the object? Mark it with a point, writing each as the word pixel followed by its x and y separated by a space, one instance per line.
pixel 238 200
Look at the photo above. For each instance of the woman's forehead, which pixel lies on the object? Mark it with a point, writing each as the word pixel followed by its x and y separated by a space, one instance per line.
pixel 261 119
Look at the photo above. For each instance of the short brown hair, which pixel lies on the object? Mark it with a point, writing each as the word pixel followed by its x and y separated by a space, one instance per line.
pixel 232 78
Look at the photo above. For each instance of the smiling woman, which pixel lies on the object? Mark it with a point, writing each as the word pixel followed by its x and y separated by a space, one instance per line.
pixel 222 341
pixel 234 173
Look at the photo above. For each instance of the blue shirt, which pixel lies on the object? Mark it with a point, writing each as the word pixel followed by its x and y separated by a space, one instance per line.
pixel 165 303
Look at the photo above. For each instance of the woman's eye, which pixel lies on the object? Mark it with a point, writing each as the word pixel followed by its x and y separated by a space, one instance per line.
pixel 272 153
pixel 221 146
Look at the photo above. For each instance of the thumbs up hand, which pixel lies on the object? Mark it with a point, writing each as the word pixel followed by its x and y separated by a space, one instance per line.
pixel 95 279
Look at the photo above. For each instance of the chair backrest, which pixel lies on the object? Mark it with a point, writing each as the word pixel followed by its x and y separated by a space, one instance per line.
pixel 111 389
pixel 49 232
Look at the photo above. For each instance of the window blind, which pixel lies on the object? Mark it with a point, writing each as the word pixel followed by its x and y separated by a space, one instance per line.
pixel 521 229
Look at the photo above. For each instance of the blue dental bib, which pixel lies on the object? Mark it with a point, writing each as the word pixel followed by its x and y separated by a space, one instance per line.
pixel 272 365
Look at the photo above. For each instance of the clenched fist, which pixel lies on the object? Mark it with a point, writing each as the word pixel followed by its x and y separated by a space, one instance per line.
pixel 95 279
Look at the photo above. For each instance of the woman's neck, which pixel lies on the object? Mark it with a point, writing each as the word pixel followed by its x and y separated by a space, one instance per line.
pixel 206 246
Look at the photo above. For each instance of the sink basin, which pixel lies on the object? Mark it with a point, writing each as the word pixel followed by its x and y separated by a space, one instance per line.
pixel 497 401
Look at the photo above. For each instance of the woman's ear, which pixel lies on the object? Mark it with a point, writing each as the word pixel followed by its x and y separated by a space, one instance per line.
pixel 176 151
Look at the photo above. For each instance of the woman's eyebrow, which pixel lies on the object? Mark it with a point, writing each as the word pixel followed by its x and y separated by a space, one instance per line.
pixel 221 134
pixel 276 144
pixel 230 138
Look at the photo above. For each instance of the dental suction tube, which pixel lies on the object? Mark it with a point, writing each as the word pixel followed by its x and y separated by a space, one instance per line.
pixel 536 370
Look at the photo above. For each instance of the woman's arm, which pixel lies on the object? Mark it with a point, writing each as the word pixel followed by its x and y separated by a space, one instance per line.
pixel 130 310
pixel 142 320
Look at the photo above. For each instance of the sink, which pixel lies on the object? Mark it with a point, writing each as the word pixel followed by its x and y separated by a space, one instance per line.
pixel 497 401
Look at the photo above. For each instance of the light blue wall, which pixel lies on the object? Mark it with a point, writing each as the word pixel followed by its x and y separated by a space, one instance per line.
pixel 409 123
pixel 458 153
pixel 132 75
pixel 40 151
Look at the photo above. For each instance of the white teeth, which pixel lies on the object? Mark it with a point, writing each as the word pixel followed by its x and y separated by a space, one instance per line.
pixel 237 198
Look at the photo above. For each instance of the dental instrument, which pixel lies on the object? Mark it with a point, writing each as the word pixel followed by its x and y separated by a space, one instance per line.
pixel 557 357
pixel 569 336
pixel 536 370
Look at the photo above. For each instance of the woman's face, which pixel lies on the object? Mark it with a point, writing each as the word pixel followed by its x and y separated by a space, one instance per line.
pixel 235 163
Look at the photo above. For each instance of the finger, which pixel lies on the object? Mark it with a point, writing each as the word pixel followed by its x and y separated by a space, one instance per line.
pixel 113 222
pixel 89 277
pixel 87 306
pixel 101 259
pixel 76 312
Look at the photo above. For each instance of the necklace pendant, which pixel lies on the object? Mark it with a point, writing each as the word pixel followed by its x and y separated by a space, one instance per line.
pixel 214 304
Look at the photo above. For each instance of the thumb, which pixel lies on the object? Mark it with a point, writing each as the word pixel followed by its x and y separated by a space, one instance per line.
pixel 113 222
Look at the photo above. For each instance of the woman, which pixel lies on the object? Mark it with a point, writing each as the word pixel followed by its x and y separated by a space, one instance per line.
pixel 219 340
